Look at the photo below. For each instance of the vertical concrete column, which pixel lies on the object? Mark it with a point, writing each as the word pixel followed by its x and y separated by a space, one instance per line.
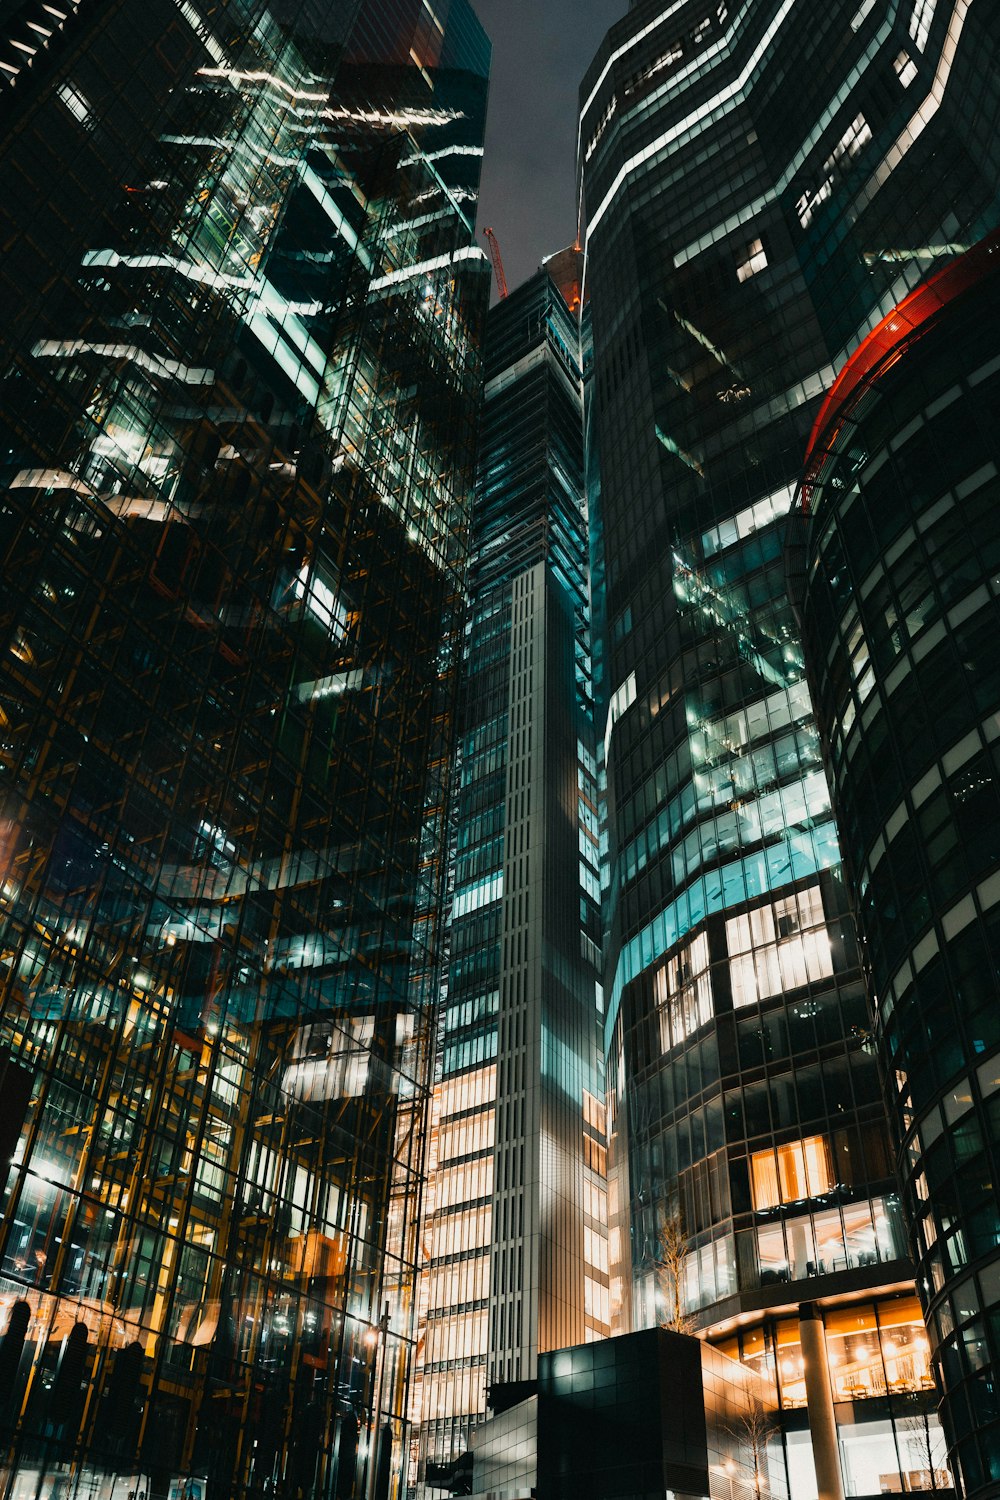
pixel 799 1246
pixel 819 1401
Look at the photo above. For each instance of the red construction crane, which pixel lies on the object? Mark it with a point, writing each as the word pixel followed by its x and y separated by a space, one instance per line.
pixel 497 262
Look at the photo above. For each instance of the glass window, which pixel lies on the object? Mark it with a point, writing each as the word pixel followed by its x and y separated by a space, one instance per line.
pixel 800 1169
pixel 754 260
pixel 781 945
pixel 683 989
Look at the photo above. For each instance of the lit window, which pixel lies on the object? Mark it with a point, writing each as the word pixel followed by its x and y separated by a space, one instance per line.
pixel 673 54
pixel 471 898
pixel 921 21
pixel 460 1337
pixel 802 1169
pixel 906 68
pixel 471 1091
pixel 753 261
pixel 683 990
pixel 595 1201
pixel 855 138
pixel 621 700
pixel 602 126
pixel 807 204
pixel 851 143
pixel 595 1250
pixel 458 1138
pixel 590 883
pixel 465 1183
pixel 709 1274
pixel 595 1301
pixel 778 946
pixel 75 102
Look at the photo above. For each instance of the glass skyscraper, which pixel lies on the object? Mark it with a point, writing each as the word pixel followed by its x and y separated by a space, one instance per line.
pixel 515 1238
pixel 898 549
pixel 240 314
pixel 763 181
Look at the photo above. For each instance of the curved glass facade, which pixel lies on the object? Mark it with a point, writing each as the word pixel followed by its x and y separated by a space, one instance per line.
pixel 241 314
pixel 900 612
pixel 762 181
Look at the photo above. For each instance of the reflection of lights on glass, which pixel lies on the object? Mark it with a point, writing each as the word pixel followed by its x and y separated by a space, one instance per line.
pixel 48 1172
pixel 371 1337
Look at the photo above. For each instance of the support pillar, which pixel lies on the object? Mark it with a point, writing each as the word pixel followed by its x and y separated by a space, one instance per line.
pixel 819 1401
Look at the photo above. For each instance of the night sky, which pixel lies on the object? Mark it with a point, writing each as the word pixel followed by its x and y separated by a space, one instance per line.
pixel 541 50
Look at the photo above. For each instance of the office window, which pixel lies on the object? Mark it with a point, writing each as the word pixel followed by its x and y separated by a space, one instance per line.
pixel 754 260
pixel 906 68
pixel 779 946
pixel 683 990
pixel 801 1169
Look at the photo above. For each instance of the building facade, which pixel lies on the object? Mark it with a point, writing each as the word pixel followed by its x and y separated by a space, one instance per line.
pixel 517 1252
pixel 896 551
pixel 241 313
pixel 648 1413
pixel 763 181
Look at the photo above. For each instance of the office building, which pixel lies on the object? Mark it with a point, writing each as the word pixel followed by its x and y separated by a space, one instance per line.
pixel 896 553
pixel 648 1413
pixel 763 181
pixel 515 1234
pixel 241 312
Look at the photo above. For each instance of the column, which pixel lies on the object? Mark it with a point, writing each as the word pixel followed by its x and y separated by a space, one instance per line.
pixel 819 1401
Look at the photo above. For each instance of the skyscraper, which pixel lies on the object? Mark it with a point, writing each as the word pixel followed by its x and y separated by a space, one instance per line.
pixel 241 310
pixel 515 1238
pixel 899 549
pixel 762 182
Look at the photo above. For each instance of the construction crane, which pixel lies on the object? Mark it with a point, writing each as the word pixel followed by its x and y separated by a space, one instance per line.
pixel 497 262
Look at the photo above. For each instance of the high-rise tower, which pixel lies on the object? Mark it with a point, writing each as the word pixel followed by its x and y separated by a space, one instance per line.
pixel 762 182
pixel 516 1245
pixel 898 547
pixel 240 311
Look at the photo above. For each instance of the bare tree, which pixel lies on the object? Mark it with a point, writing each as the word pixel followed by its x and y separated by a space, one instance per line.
pixel 670 1269
pixel 751 1432
pixel 927 1444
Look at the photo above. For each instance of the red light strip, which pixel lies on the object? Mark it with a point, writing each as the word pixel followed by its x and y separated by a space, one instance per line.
pixel 888 341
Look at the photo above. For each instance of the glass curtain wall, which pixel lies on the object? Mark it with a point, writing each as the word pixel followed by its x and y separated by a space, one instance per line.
pixel 242 307
pixel 762 182
pixel 898 545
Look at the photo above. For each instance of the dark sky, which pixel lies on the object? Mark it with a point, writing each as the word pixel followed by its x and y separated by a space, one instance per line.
pixel 541 50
